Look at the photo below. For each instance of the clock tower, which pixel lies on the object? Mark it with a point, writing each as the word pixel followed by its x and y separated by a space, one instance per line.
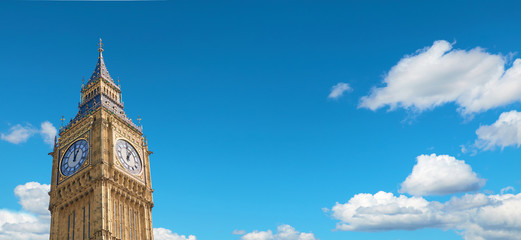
pixel 100 186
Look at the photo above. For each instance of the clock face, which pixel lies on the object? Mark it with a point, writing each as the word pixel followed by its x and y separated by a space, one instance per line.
pixel 128 157
pixel 74 157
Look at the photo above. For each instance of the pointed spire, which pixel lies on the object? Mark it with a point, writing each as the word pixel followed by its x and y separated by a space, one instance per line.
pixel 101 70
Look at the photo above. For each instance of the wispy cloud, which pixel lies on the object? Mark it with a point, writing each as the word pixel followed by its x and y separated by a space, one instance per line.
pixel 338 90
pixel 238 232
pixel 506 131
pixel 21 133
pixel 18 133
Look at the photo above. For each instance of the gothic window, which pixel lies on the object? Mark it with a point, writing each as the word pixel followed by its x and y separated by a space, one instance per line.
pixel 73 223
pixel 135 226
pixel 130 221
pixel 83 223
pixel 89 220
pixel 69 227
pixel 115 219
pixel 120 222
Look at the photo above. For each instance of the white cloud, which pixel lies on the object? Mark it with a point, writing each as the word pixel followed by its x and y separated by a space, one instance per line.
pixel 506 131
pixel 474 80
pixel 35 223
pixel 48 132
pixel 440 175
pixel 338 90
pixel 166 234
pixel 284 232
pixel 21 133
pixel 30 225
pixel 34 197
pixel 507 189
pixel 383 211
pixel 18 134
pixel 477 216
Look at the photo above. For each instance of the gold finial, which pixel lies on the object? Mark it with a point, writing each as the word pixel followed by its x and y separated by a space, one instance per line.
pixel 62 119
pixel 100 44
pixel 139 119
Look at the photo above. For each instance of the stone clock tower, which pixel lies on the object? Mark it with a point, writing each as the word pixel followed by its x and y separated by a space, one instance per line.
pixel 100 187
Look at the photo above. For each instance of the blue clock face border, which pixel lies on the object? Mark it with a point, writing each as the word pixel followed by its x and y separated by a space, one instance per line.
pixel 74 157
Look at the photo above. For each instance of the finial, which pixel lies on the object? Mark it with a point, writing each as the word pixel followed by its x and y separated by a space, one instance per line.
pixel 62 119
pixel 139 119
pixel 100 49
pixel 118 83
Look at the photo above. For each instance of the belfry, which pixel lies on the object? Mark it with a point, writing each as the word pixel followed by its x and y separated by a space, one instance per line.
pixel 101 186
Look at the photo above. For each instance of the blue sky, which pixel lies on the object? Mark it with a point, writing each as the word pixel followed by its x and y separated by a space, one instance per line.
pixel 238 105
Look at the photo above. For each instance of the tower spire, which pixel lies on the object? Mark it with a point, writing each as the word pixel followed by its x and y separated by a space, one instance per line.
pixel 101 70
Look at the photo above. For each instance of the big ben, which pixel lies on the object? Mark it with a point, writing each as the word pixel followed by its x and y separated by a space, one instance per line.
pixel 101 186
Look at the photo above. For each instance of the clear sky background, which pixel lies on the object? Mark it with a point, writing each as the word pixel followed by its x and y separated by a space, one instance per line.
pixel 263 114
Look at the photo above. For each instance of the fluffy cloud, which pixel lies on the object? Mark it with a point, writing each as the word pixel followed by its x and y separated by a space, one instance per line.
pixel 383 211
pixel 474 80
pixel 48 132
pixel 33 225
pixel 506 131
pixel 165 234
pixel 33 197
pixel 21 133
pixel 477 216
pixel 440 175
pixel 284 232
pixel 338 90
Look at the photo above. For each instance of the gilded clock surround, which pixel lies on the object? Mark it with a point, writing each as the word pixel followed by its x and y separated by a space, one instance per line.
pixel 63 150
pixel 118 163
pixel 101 200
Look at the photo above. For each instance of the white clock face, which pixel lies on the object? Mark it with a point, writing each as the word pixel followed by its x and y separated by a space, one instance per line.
pixel 74 157
pixel 128 157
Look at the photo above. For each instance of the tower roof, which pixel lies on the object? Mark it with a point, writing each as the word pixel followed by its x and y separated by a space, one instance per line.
pixel 101 69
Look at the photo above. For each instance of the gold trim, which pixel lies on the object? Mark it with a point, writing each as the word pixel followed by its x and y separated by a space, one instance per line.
pixel 140 174
pixel 84 136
